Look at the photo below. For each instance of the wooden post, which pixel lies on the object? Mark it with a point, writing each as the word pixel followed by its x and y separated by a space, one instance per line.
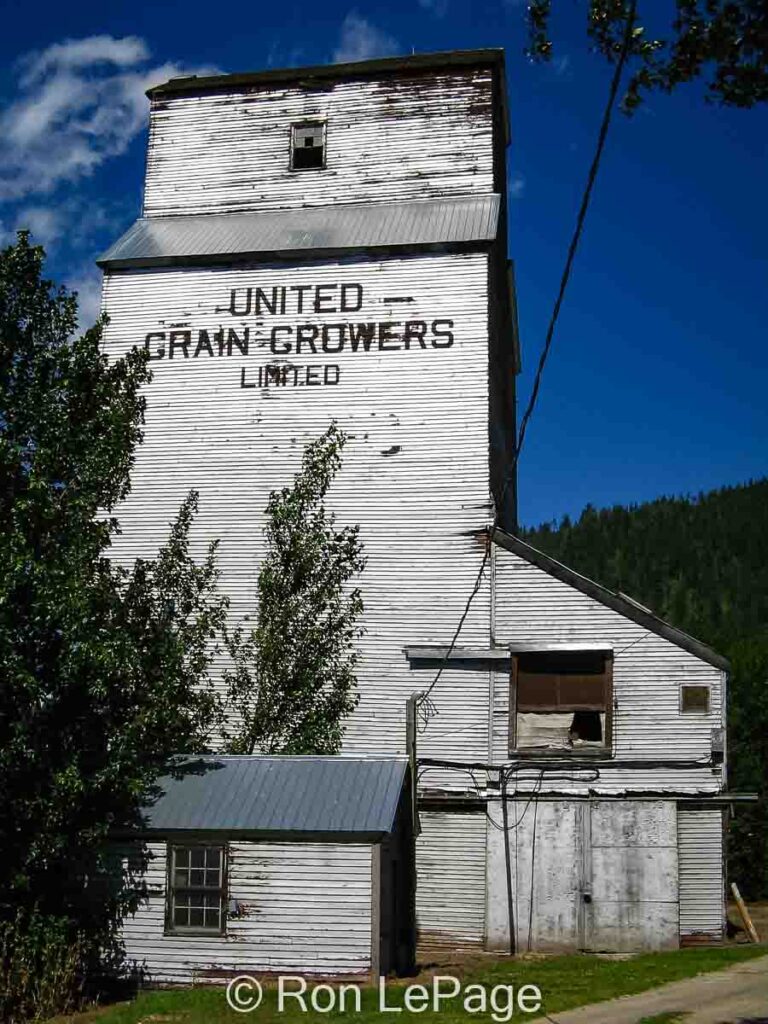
pixel 750 928
pixel 410 745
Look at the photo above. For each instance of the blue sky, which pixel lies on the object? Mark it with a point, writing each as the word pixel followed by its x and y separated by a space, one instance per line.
pixel 658 375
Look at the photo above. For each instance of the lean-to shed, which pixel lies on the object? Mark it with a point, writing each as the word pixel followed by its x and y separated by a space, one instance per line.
pixel 277 864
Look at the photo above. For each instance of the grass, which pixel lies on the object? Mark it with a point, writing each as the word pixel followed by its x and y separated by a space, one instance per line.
pixel 565 982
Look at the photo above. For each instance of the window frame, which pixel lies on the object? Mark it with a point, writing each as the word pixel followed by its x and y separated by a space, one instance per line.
pixel 307 123
pixel 696 711
pixel 604 751
pixel 171 889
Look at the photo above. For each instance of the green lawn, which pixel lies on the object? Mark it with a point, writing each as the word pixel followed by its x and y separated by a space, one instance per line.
pixel 564 981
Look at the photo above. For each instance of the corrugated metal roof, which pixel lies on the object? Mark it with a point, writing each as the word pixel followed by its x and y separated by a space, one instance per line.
pixel 281 794
pixel 157 241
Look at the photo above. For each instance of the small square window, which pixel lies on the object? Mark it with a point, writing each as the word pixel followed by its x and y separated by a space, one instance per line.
pixel 307 146
pixel 695 698
pixel 196 889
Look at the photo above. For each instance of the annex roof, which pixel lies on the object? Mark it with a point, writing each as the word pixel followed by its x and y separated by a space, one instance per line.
pixel 206 238
pixel 285 795
pixel 618 602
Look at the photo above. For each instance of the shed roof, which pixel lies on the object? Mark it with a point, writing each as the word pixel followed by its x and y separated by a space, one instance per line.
pixel 160 241
pixel 298 796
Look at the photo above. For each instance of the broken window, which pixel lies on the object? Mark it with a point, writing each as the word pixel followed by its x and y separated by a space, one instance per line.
pixel 695 698
pixel 196 888
pixel 561 701
pixel 307 146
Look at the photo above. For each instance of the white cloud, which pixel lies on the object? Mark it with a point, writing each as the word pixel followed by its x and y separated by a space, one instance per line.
pixel 45 224
pixel 76 53
pixel 516 186
pixel 78 104
pixel 71 223
pixel 87 284
pixel 360 40
pixel 437 7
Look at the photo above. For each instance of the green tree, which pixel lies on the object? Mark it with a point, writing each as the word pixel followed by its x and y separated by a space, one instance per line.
pixel 725 42
pixel 102 670
pixel 293 677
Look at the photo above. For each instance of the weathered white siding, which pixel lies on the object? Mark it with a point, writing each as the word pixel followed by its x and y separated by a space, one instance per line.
pixel 450 891
pixel 415 472
pixel 412 136
pixel 700 838
pixel 535 854
pixel 582 874
pixel 631 858
pixel 648 671
pixel 306 907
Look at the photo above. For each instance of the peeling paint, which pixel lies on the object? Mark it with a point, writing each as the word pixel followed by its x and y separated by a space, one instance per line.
pixel 201 155
pixel 310 911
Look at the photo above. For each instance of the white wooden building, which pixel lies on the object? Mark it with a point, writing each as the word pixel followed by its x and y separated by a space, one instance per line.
pixel 331 243
pixel 277 865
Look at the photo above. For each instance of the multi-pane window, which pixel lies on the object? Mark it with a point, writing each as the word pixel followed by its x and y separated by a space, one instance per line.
pixel 196 890
pixel 561 701
pixel 307 145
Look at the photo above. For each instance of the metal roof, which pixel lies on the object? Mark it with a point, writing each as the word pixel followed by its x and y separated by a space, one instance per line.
pixel 160 241
pixel 626 606
pixel 269 795
pixel 360 69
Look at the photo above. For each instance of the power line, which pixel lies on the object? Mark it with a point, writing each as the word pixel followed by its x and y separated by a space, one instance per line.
pixel 425 706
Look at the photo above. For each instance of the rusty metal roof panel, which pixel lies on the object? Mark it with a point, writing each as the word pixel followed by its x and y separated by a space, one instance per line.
pixel 296 795
pixel 159 241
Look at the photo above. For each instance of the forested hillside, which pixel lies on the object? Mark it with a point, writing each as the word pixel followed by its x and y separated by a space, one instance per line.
pixel 702 564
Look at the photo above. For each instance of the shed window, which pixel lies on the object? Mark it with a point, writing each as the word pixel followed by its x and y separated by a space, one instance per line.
pixel 695 698
pixel 307 146
pixel 561 701
pixel 196 888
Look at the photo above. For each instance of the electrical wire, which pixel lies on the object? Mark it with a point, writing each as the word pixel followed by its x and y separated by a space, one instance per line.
pixel 618 653
pixel 553 774
pixel 569 764
pixel 425 707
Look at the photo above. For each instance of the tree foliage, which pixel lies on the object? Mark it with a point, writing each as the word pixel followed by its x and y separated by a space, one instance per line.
pixel 702 564
pixel 723 41
pixel 293 676
pixel 102 670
